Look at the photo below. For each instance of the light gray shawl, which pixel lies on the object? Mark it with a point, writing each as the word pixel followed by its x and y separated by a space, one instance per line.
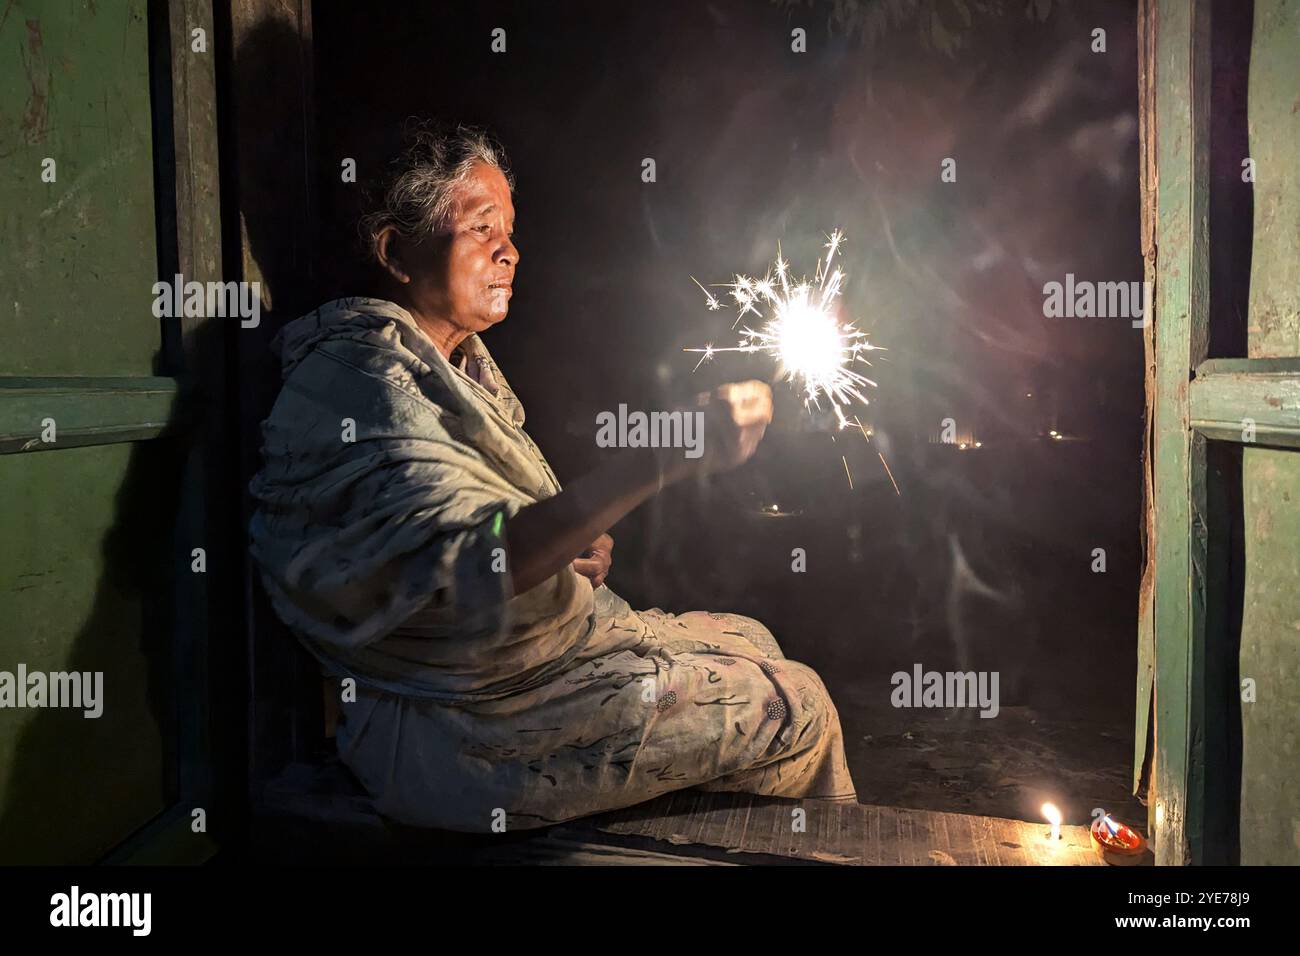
pixel 378 532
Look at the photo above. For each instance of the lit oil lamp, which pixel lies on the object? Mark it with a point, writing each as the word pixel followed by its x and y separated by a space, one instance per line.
pixel 1053 817
pixel 1116 843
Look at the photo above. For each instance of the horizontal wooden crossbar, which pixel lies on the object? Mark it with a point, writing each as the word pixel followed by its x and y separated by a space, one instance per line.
pixel 1252 401
pixel 46 414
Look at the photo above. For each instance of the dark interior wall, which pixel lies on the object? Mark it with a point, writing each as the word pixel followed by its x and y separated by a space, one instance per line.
pixel 984 559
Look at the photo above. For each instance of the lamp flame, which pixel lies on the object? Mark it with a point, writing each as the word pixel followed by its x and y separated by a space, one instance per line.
pixel 1053 816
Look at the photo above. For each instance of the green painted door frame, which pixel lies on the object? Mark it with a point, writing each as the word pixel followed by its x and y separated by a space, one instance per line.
pixel 1254 402
pixel 124 107
pixel 187 191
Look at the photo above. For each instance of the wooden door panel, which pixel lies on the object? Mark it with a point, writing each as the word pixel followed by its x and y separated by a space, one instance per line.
pixel 78 254
pixel 98 513
pixel 87 541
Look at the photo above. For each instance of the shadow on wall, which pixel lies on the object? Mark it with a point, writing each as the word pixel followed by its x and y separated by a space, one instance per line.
pixel 77 786
pixel 269 191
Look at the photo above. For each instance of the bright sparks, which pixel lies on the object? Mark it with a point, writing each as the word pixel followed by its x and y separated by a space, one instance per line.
pixel 798 326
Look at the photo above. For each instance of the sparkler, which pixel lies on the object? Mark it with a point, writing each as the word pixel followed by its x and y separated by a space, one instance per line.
pixel 801 330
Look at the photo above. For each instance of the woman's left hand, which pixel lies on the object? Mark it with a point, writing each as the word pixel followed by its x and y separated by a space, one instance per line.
pixel 594 563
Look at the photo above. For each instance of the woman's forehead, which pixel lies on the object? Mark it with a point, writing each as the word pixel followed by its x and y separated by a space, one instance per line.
pixel 484 193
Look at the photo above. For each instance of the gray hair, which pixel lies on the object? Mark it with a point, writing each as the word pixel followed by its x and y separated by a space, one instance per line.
pixel 416 191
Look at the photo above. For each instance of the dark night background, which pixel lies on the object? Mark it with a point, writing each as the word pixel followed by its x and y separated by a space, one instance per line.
pixel 984 560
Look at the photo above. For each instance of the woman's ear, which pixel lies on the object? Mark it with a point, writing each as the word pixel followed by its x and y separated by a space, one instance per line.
pixel 388 251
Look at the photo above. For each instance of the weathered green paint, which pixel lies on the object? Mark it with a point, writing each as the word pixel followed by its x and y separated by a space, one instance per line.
pixel 1274 117
pixel 1248 400
pixel 78 260
pixel 1270 631
pixel 89 571
pixel 81 588
pixel 1270 656
pixel 1181 333
pixel 1147 178
pixel 1254 402
pixel 84 411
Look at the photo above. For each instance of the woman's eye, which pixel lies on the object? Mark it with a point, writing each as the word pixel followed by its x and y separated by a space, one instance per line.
pixel 485 228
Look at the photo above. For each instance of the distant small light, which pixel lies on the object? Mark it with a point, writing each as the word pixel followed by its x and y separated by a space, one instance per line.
pixel 775 508
pixel 979 444
pixel 962 446
pixel 1029 394
pixel 1052 433
pixel 1057 437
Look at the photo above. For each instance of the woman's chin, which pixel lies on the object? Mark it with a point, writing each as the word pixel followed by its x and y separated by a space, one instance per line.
pixel 493 317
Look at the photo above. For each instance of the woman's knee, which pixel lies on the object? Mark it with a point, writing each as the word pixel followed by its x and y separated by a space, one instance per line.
pixel 758 634
pixel 813 712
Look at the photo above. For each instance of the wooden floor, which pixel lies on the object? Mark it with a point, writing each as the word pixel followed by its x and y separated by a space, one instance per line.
pixel 748 829
pixel 688 828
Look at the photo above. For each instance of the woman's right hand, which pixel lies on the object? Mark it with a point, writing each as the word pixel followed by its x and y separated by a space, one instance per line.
pixel 735 417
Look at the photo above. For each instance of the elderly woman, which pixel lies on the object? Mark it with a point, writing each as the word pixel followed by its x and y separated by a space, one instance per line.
pixel 413 537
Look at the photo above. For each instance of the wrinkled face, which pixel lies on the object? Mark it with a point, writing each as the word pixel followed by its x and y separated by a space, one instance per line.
pixel 464 276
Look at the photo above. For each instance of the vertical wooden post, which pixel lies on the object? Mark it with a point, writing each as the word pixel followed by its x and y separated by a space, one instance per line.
pixel 187 205
pixel 1147 179
pixel 1181 344
pixel 271 142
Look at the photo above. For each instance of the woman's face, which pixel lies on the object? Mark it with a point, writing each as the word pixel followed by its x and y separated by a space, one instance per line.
pixel 464 276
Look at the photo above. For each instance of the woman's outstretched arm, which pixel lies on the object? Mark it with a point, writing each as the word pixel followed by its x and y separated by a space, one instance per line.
pixel 545 537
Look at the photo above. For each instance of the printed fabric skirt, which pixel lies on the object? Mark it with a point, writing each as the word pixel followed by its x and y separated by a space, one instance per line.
pixel 659 702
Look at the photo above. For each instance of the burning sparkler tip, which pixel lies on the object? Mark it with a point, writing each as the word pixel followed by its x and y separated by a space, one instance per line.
pixel 802 331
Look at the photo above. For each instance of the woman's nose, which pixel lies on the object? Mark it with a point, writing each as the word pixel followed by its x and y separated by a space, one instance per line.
pixel 508 254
